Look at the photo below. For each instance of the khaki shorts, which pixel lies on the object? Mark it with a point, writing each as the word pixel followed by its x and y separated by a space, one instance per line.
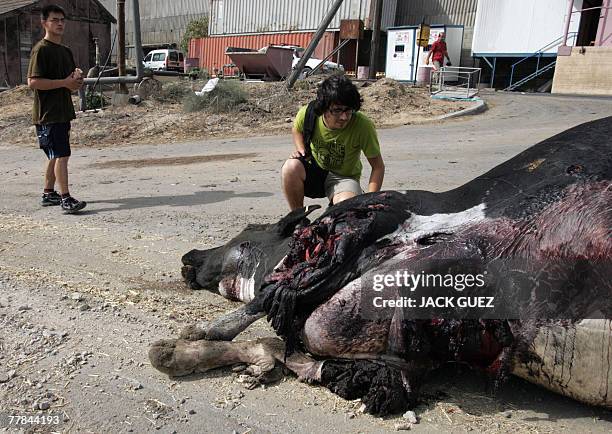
pixel 335 184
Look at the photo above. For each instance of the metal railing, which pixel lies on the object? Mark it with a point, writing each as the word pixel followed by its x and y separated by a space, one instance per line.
pixel 455 82
pixel 538 54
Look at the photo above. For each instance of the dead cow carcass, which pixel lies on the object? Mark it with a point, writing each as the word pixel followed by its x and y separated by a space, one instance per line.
pixel 536 229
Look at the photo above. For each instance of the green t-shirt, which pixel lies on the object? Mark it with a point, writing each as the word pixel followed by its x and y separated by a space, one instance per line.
pixel 55 62
pixel 339 151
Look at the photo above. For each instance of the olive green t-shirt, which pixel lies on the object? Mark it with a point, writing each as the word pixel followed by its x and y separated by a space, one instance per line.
pixel 55 62
pixel 339 151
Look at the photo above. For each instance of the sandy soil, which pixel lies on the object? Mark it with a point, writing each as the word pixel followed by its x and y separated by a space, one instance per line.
pixel 269 109
pixel 83 297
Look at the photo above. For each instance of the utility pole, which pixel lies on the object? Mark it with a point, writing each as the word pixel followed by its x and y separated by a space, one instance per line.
pixel 313 43
pixel 375 45
pixel 121 41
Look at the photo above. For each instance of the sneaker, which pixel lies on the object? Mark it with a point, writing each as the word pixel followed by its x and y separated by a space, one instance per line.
pixel 51 199
pixel 70 205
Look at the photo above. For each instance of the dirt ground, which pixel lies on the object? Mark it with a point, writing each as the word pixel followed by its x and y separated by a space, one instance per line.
pixel 269 110
pixel 82 297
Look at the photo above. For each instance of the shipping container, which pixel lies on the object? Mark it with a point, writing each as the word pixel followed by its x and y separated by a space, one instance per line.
pixel 211 51
pixel 263 16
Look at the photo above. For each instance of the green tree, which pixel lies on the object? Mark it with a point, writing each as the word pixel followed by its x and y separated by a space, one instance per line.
pixel 195 29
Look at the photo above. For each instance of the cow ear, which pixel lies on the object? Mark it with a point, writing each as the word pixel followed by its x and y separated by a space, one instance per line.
pixel 287 224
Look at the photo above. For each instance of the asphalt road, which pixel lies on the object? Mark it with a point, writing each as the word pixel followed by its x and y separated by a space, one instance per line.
pixel 99 287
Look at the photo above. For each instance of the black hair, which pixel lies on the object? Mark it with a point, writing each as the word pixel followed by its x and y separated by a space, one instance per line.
pixel 337 89
pixel 44 13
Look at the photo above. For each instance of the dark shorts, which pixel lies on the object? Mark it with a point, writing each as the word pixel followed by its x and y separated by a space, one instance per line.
pixel 314 185
pixel 54 139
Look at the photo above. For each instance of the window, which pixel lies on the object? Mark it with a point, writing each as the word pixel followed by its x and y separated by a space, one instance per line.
pixel 173 56
pixel 148 58
pixel 159 57
pixel 181 58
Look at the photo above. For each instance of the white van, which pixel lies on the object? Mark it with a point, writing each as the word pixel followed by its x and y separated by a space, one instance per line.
pixel 165 60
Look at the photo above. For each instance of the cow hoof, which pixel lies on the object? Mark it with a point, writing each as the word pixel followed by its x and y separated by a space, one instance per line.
pixel 194 332
pixel 161 355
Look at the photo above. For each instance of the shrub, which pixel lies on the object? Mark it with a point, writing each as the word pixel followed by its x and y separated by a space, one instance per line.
pixel 195 29
pixel 199 74
pixel 94 101
pixel 223 98
pixel 173 91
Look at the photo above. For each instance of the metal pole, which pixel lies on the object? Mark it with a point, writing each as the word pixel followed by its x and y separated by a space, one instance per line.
pixel 416 70
pixel 313 43
pixel 375 46
pixel 568 18
pixel 121 43
pixel 137 46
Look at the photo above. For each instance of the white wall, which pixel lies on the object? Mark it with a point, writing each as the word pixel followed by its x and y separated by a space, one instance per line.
pixel 514 27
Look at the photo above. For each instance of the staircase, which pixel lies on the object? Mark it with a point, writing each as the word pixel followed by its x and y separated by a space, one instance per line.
pixel 571 37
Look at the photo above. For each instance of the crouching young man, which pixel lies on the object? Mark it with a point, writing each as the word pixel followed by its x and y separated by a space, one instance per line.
pixel 329 166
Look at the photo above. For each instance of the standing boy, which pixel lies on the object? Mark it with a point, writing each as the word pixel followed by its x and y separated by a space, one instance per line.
pixel 53 76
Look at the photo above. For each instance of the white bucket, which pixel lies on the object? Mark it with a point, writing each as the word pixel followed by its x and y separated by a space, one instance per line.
pixel 363 72
pixel 424 74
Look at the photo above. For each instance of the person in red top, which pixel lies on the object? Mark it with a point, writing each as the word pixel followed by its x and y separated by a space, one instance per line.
pixel 438 51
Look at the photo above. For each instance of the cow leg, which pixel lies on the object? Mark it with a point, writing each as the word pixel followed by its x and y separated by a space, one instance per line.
pixel 228 326
pixel 306 368
pixel 225 328
pixel 179 357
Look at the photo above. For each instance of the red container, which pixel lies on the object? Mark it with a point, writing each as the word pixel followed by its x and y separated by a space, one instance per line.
pixel 269 63
pixel 211 50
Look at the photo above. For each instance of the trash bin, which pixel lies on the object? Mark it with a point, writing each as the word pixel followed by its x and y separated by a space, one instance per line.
pixel 363 72
pixel 424 74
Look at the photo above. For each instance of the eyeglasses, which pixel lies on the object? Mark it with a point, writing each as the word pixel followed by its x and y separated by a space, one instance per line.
pixel 338 111
pixel 57 20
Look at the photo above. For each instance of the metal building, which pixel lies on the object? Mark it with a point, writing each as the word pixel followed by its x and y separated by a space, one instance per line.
pixel 20 30
pixel 161 21
pixel 232 17
pixel 519 39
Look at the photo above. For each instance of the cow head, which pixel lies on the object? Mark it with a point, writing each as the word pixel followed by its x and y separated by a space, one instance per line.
pixel 237 268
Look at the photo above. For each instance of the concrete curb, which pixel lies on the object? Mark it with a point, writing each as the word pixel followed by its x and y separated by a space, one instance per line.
pixel 479 107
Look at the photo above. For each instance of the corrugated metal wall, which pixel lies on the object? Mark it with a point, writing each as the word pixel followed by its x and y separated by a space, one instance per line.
pixel 453 12
pixel 259 16
pixel 211 51
pixel 161 21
